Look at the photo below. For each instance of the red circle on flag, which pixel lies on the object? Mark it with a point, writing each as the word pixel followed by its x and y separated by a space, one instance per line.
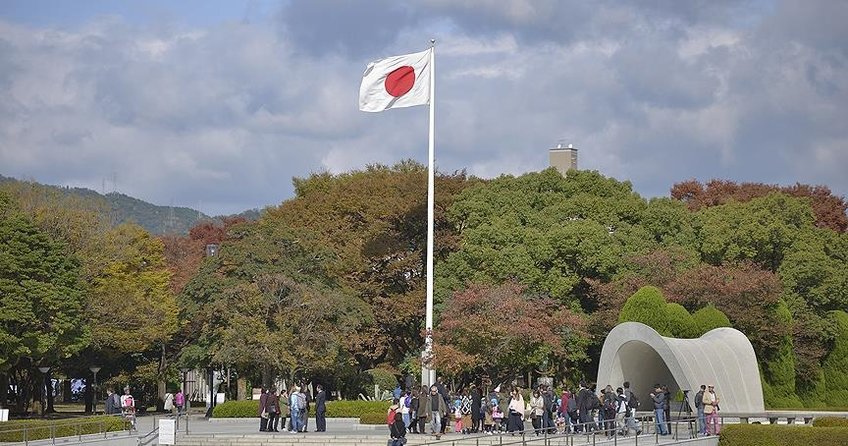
pixel 400 81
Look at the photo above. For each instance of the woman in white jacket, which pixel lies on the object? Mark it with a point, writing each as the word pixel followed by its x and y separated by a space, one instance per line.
pixel 515 422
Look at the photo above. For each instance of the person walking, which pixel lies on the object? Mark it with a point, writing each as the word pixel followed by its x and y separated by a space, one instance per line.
pixel 320 409
pixel 179 402
pixel 168 404
pixel 516 408
pixel 609 406
pixel 466 412
pixel 537 407
pixel 711 401
pixel 436 409
pixel 413 412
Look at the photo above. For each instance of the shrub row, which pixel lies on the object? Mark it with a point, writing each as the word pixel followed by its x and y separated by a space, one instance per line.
pixel 335 409
pixel 782 435
pixel 41 429
pixel 830 422
pixel 373 418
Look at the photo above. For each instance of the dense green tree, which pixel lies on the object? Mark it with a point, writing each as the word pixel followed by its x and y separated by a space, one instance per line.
pixel 41 298
pixel 545 231
pixel 374 222
pixel 835 366
pixel 266 298
pixel 761 230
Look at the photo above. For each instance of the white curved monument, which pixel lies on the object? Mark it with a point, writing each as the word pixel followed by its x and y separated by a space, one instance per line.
pixel 723 357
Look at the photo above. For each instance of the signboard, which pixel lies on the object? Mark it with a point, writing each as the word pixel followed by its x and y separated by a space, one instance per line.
pixel 4 414
pixel 167 432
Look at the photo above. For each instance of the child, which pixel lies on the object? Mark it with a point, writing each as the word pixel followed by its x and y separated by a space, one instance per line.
pixel 497 417
pixel 457 416
pixel 488 421
pixel 560 424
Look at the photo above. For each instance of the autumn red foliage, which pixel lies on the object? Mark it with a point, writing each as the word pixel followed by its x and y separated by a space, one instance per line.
pixel 829 209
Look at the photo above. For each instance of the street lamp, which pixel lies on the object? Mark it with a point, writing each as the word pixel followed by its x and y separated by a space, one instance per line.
pixel 94 369
pixel 44 369
pixel 185 371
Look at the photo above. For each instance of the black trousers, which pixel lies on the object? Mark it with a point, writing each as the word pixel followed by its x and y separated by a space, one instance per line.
pixel 273 419
pixel 475 423
pixel 321 421
pixel 263 424
pixel 422 424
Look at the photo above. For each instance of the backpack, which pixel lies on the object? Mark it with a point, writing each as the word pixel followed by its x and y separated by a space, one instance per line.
pixel 609 403
pixel 633 404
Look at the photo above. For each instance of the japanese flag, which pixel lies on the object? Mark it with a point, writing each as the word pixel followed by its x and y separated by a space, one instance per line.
pixel 394 82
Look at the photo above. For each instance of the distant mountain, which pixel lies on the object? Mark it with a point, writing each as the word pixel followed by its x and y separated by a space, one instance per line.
pixel 123 208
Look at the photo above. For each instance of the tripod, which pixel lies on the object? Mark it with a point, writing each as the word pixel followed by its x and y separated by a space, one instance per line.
pixel 689 420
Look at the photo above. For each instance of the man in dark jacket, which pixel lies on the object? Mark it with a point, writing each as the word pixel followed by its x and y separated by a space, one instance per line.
pixel 586 403
pixel 658 396
pixel 320 409
pixel 699 407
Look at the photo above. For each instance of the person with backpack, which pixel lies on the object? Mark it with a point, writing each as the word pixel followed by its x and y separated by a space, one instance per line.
pixel 610 409
pixel 397 430
pixel 632 406
pixel 306 400
pixel 405 410
pixel 294 407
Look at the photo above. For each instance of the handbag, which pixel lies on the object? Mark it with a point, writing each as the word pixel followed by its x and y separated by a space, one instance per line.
pixel 264 414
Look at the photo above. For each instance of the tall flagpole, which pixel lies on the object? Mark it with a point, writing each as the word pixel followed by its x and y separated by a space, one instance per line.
pixel 428 375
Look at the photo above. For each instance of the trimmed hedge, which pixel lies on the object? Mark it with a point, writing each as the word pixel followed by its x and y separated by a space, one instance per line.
pixel 830 422
pixel 41 429
pixel 781 435
pixel 335 409
pixel 373 418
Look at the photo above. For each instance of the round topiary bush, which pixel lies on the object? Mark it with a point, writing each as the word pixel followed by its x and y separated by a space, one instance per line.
pixel 709 318
pixel 648 307
pixel 679 322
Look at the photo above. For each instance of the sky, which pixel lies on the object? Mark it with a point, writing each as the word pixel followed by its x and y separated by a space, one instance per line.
pixel 217 105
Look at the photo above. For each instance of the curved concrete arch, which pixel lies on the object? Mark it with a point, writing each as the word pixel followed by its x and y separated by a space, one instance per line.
pixel 723 357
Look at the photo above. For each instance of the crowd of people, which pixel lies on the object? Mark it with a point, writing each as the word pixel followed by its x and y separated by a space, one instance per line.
pixel 474 410
pixel 289 409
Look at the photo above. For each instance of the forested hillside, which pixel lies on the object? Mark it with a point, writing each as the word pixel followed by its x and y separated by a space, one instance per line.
pixel 123 208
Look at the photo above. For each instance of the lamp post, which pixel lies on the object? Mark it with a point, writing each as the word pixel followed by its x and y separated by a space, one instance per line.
pixel 94 369
pixel 44 369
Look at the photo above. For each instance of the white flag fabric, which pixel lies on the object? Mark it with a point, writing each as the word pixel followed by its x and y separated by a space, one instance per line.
pixel 394 82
